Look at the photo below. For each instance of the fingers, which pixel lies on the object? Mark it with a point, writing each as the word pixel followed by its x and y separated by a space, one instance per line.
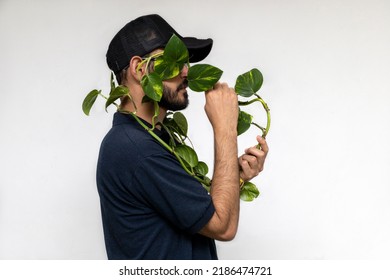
pixel 259 154
pixel 218 86
pixel 247 171
pixel 252 162
pixel 222 92
pixel 222 107
pixel 263 144
pixel 255 162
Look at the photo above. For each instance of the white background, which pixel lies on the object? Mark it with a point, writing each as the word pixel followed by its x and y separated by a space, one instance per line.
pixel 326 185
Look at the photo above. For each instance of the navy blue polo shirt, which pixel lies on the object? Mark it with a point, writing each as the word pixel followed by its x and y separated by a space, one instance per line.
pixel 151 208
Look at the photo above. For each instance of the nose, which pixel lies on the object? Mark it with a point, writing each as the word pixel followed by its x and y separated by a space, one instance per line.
pixel 184 71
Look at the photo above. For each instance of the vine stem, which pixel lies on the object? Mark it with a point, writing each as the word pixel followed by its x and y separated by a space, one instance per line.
pixel 165 145
pixel 147 61
pixel 267 110
pixel 156 137
pixel 258 126
pixel 265 106
pixel 102 95
pixel 106 98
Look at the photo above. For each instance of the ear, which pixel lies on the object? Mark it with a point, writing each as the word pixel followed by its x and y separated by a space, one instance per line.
pixel 135 71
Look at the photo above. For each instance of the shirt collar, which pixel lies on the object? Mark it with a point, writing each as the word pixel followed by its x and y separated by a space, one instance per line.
pixel 123 118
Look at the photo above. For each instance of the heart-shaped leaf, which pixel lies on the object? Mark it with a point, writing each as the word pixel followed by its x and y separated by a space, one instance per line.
pixel 201 168
pixel 202 77
pixel 152 86
pixel 176 51
pixel 118 92
pixel 172 61
pixel 174 131
pixel 89 100
pixel 249 192
pixel 244 122
pixel 249 83
pixel 181 122
pixel 187 154
pixel 166 69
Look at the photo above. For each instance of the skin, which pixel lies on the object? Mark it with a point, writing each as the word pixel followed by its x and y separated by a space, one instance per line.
pixel 221 108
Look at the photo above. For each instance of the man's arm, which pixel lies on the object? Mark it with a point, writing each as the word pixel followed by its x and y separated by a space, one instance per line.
pixel 222 110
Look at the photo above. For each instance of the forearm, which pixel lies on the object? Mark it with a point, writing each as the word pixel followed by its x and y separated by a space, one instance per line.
pixel 222 110
pixel 225 189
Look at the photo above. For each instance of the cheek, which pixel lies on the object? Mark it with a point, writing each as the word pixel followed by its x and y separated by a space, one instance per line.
pixel 171 86
pixel 173 83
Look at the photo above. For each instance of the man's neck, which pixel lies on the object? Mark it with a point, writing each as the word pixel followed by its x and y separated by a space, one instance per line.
pixel 145 111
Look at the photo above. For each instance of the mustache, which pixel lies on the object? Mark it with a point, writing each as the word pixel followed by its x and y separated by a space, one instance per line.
pixel 183 85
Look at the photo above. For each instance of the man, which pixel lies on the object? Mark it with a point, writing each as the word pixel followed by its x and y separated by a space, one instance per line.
pixel 151 208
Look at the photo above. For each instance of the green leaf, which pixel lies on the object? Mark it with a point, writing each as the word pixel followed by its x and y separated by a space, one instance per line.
pixel 118 92
pixel 202 77
pixel 249 83
pixel 152 86
pixel 176 51
pixel 176 125
pixel 175 135
pixel 166 69
pixel 187 154
pixel 249 192
pixel 172 61
pixel 201 168
pixel 89 100
pixel 244 122
pixel 181 122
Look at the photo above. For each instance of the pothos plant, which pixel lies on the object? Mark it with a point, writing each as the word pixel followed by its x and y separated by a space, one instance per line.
pixel 201 77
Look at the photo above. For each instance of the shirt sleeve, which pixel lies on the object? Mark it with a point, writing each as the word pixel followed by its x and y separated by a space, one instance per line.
pixel 173 193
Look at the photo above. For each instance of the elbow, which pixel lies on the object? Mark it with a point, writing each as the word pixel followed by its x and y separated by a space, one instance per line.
pixel 227 235
pixel 222 229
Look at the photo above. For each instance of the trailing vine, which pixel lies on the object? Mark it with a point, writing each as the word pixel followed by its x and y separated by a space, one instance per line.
pixel 201 77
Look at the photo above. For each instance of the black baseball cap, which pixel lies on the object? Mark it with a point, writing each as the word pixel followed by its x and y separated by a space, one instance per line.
pixel 145 34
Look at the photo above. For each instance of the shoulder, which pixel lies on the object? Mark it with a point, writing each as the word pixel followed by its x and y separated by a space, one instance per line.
pixel 129 137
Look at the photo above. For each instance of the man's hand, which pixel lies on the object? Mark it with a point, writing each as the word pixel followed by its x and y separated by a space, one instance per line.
pixel 222 108
pixel 252 162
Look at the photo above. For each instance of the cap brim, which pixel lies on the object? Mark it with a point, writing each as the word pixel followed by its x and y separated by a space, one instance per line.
pixel 198 48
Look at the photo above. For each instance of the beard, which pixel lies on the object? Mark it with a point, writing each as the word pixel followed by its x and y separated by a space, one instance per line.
pixel 171 98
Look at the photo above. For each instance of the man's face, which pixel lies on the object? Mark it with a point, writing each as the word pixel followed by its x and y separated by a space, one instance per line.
pixel 175 96
pixel 174 99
